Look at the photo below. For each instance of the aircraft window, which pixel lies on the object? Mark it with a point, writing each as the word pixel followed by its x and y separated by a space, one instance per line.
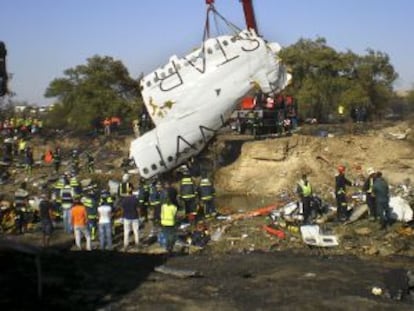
pixel 209 51
pixel 233 39
pixel 170 159
pixel 216 46
pixel 145 170
pixel 154 167
pixel 155 79
pixel 149 83
pixel 200 142
pixel 225 43
pixel 163 75
pixel 186 64
pixel 178 67
pixel 162 163
pixel 170 70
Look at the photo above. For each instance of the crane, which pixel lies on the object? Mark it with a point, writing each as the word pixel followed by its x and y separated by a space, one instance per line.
pixel 249 15
pixel 3 72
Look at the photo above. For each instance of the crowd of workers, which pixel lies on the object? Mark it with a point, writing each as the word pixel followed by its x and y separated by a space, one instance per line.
pixel 91 213
pixel 264 114
pixel 376 191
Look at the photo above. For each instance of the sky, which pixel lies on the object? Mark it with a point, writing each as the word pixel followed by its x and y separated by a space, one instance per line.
pixel 45 37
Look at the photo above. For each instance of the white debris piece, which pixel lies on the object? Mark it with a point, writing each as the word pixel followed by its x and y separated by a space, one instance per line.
pixel 400 209
pixel 312 235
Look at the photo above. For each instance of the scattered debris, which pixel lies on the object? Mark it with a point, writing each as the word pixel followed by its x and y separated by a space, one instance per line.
pixel 181 273
pixel 312 235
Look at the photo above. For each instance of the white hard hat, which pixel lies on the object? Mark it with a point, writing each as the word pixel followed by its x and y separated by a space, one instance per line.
pixel 125 177
pixel 370 171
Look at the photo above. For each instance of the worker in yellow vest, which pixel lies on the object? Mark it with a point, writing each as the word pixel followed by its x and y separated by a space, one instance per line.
pixel 304 191
pixel 168 220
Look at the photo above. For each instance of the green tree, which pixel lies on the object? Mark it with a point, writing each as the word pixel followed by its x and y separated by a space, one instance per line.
pixel 324 78
pixel 98 89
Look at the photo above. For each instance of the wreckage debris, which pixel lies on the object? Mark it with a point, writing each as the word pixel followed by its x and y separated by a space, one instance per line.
pixel 313 236
pixel 180 273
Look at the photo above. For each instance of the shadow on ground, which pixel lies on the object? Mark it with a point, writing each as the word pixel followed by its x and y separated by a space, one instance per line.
pixel 72 280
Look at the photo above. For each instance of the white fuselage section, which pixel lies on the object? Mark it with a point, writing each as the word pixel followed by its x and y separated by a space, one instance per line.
pixel 191 97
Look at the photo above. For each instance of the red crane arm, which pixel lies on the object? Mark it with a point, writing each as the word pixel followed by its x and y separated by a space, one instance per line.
pixel 249 15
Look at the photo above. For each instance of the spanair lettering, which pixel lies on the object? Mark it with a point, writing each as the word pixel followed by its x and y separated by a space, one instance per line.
pixel 190 98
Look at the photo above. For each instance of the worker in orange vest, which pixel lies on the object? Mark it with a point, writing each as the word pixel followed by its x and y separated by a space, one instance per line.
pixel 107 126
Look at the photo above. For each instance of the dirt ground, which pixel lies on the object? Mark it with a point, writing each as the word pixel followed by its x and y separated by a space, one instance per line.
pixel 246 269
pixel 307 279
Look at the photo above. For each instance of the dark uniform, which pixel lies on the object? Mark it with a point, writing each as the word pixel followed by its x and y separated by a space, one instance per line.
pixel 206 193
pixel 188 197
pixel 143 199
pixel 340 192
pixel 57 158
pixel 92 212
pixel 382 199
pixel 75 161
pixel 154 201
pixel 90 162
pixel 370 197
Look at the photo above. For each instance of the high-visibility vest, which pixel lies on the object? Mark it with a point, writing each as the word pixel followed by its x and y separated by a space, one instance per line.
pixel 306 189
pixel 124 189
pixel 168 212
pixel 206 190
pixel 187 188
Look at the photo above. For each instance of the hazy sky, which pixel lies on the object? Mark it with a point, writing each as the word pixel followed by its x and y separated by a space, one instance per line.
pixel 45 37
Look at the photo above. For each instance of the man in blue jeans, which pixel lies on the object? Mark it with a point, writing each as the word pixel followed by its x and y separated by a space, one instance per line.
pixel 130 206
pixel 105 228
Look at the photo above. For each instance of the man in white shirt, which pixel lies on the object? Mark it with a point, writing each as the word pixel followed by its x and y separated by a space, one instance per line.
pixel 105 228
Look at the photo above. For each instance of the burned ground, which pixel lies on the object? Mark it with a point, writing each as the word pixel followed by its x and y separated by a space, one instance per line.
pixel 246 268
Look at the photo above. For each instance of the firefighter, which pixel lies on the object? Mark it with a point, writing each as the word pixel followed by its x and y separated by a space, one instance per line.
pixel 369 194
pixel 57 158
pixel 340 193
pixel 21 206
pixel 66 198
pixel 75 160
pixel 206 193
pixel 143 198
pixel 125 186
pixel 91 210
pixel 29 160
pixel 154 201
pixel 75 184
pixel 90 162
pixel 188 195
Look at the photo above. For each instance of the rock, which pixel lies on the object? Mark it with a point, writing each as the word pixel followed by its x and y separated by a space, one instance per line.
pixel 372 250
pixel 363 231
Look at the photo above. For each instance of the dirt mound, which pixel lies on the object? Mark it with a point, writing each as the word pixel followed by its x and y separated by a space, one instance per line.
pixel 271 166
